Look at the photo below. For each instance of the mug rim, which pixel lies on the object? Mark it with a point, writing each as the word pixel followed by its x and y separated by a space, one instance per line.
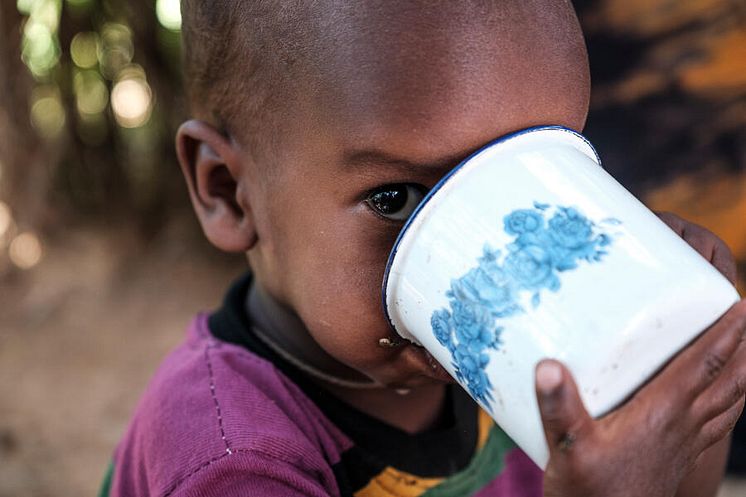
pixel 434 190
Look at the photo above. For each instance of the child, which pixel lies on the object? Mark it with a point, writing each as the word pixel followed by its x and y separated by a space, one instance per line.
pixel 317 128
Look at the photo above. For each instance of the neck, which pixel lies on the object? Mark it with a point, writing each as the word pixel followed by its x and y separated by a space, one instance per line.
pixel 414 410
pixel 286 332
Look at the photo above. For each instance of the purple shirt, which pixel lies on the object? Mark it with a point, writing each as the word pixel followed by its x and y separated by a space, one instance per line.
pixel 218 419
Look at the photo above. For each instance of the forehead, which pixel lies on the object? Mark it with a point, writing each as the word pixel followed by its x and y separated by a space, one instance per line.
pixel 436 78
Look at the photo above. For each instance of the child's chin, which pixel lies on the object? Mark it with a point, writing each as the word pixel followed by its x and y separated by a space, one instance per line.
pixel 426 365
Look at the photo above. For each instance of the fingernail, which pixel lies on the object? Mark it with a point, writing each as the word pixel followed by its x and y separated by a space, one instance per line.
pixel 548 377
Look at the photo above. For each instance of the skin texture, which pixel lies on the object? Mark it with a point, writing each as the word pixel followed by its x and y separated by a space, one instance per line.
pixel 400 92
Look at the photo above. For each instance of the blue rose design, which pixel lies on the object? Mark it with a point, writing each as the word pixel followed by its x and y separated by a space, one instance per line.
pixel 532 269
pixel 469 321
pixel 442 327
pixel 569 229
pixel 483 338
pixel 479 385
pixel 466 314
pixel 523 221
pixel 494 289
pixel 486 286
pixel 471 367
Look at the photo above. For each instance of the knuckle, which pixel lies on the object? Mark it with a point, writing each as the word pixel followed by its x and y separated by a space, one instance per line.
pixel 573 441
pixel 713 364
pixel 566 442
pixel 665 418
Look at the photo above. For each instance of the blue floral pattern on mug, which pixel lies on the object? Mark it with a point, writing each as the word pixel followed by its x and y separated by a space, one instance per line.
pixel 548 240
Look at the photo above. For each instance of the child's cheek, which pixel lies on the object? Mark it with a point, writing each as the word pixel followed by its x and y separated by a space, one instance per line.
pixel 341 295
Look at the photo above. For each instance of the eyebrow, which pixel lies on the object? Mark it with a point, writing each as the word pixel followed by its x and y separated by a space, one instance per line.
pixel 373 157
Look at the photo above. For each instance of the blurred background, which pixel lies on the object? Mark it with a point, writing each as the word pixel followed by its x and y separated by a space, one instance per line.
pixel 102 263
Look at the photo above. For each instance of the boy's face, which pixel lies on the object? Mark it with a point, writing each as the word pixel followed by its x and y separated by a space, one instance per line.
pixel 400 96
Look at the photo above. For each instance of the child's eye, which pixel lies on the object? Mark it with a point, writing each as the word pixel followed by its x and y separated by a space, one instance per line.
pixel 395 202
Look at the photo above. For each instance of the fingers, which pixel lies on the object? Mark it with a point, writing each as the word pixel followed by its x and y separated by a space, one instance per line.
pixel 563 415
pixel 698 366
pixel 723 260
pixel 705 242
pixel 719 427
pixel 728 390
pixel 729 331
pixel 672 220
pixel 711 248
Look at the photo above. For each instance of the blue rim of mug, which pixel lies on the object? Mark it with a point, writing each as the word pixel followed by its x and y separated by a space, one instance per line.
pixel 444 180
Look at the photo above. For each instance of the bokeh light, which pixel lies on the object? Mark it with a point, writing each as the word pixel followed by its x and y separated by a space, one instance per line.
pixel 6 220
pixel 169 14
pixel 40 51
pixel 47 112
pixel 117 49
pixel 132 71
pixel 84 49
pixel 25 6
pixel 131 100
pixel 25 250
pixel 91 94
pixel 47 12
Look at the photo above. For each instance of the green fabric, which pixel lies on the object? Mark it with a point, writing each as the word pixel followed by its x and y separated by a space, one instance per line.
pixel 106 485
pixel 483 468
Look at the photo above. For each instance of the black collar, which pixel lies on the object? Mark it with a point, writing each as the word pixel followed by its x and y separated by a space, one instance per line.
pixel 438 452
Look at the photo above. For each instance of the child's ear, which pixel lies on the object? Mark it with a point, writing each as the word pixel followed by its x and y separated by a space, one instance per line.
pixel 212 168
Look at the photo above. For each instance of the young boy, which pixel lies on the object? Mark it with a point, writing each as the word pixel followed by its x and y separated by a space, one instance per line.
pixel 317 128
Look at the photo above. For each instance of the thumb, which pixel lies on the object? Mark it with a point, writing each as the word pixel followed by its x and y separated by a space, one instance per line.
pixel 562 412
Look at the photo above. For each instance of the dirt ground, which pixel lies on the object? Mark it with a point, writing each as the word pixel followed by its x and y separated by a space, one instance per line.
pixel 80 335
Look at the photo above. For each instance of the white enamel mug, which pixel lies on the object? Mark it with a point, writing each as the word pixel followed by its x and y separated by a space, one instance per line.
pixel 529 250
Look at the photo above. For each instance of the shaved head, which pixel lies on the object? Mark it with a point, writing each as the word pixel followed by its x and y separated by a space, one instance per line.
pixel 320 104
pixel 251 66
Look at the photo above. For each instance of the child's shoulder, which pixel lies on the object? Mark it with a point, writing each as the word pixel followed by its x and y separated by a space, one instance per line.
pixel 213 407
